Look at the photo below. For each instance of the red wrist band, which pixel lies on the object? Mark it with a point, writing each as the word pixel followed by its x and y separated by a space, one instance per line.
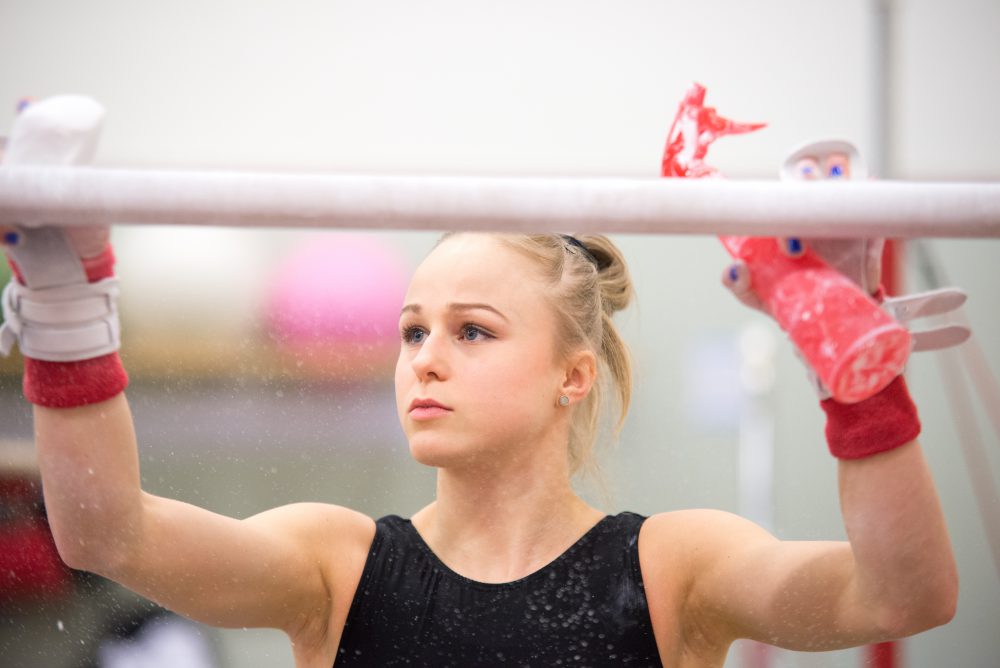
pixel 70 384
pixel 883 422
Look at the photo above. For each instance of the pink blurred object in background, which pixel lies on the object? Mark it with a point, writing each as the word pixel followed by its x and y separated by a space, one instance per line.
pixel 334 305
pixel 854 347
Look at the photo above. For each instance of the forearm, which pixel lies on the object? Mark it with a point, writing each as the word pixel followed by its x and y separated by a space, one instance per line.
pixel 90 474
pixel 904 567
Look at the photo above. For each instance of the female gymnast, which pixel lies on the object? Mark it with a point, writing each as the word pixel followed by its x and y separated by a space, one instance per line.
pixel 508 359
pixel 499 385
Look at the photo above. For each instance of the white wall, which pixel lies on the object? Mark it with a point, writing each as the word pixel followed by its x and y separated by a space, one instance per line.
pixel 582 87
pixel 525 87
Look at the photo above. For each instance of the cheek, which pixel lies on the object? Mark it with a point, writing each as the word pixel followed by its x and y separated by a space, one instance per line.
pixel 403 380
pixel 511 387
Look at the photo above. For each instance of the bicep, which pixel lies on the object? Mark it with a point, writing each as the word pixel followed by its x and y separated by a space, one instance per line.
pixel 801 595
pixel 269 570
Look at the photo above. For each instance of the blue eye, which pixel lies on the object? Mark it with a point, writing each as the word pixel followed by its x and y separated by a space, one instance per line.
pixel 472 332
pixel 413 335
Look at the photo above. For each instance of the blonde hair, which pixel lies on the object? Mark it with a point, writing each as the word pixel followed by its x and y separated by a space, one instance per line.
pixel 587 286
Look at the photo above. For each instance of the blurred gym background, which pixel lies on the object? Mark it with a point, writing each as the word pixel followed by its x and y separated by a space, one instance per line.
pixel 261 359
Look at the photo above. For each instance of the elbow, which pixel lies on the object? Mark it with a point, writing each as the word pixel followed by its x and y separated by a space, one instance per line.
pixel 941 602
pixel 947 604
pixel 73 548
pixel 93 552
pixel 80 555
pixel 922 612
pixel 74 556
pixel 936 612
pixel 99 539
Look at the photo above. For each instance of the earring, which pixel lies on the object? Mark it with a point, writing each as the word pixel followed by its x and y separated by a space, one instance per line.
pixel 564 401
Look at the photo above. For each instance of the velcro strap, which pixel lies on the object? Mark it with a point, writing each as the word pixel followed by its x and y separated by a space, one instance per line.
pixel 66 305
pixel 64 324
pixel 76 343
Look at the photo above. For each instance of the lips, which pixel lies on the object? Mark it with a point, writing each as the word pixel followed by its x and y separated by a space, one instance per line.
pixel 426 409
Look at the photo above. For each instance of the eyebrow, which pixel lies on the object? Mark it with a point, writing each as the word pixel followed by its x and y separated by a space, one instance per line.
pixel 457 306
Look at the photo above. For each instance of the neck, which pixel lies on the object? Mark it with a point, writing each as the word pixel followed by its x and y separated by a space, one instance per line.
pixel 500 524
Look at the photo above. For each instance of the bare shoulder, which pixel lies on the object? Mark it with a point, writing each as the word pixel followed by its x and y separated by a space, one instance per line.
pixel 693 541
pixel 317 521
pixel 676 550
pixel 698 531
pixel 675 546
pixel 328 515
pixel 334 540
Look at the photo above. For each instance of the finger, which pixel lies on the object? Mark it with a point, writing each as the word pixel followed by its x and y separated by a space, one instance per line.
pixel 874 250
pixel 736 278
pixel 9 236
pixel 88 240
pixel 792 246
pixel 858 259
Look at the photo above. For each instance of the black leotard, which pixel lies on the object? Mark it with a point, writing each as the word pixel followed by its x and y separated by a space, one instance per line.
pixel 586 608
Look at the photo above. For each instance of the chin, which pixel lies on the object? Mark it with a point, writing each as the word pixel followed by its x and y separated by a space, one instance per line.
pixel 433 450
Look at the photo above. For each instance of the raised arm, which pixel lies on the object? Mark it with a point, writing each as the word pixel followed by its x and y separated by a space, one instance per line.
pixel 277 569
pixel 895 576
pixel 288 568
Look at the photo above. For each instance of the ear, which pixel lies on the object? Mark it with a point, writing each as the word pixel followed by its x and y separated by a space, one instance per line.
pixel 580 375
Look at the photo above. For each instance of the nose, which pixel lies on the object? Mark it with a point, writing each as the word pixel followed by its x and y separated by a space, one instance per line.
pixel 430 361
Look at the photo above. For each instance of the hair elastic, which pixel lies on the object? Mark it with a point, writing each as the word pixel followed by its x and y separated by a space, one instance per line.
pixel 573 241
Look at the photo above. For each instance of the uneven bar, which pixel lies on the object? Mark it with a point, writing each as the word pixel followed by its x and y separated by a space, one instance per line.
pixel 81 195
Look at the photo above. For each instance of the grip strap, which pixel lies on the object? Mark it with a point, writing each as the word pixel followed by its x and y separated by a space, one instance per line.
pixel 61 324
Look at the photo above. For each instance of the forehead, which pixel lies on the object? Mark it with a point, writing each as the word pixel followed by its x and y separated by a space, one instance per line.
pixel 475 268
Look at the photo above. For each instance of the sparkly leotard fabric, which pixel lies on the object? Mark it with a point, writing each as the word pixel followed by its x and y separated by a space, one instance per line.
pixel 586 608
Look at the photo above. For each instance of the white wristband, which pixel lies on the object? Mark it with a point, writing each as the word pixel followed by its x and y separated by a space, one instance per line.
pixel 61 324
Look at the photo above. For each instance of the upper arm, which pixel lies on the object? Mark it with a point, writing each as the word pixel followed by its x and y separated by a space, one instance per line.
pixel 282 568
pixel 742 582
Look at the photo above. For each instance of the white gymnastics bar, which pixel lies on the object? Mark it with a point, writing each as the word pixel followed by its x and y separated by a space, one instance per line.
pixel 35 195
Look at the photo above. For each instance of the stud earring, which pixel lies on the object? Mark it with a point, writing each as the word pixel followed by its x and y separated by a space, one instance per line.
pixel 564 401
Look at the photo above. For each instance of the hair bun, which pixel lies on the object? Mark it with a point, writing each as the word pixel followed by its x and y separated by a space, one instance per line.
pixel 613 276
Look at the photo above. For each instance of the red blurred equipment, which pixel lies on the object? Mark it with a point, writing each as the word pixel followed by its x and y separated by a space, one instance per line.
pixel 30 566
